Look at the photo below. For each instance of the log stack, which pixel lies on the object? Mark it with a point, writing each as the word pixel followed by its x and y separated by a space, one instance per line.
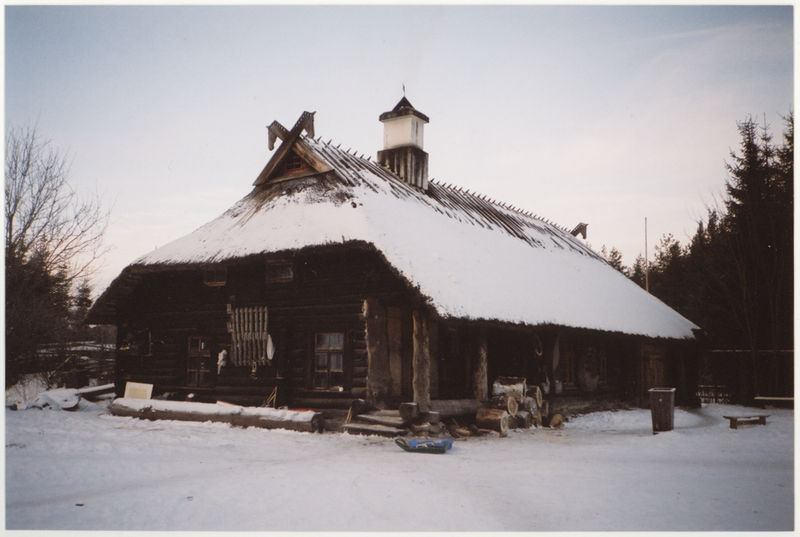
pixel 495 419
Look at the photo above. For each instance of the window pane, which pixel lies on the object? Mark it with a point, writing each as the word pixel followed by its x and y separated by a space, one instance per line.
pixel 337 380
pixel 337 362
pixel 321 341
pixel 321 361
pixel 337 340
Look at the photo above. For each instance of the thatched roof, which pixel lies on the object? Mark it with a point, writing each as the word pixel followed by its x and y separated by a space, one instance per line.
pixel 472 258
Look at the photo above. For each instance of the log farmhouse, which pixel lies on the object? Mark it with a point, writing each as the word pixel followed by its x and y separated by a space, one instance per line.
pixel 341 277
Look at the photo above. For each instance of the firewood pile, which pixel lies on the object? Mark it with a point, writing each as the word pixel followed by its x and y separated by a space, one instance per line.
pixel 513 406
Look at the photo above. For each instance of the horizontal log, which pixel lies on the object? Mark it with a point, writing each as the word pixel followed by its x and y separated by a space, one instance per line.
pixel 267 418
pixel 448 408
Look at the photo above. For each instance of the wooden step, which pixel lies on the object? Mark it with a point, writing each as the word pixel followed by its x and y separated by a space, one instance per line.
pixel 374 429
pixel 320 403
pixel 388 420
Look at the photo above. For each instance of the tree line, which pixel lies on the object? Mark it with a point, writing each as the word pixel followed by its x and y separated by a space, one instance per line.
pixel 734 278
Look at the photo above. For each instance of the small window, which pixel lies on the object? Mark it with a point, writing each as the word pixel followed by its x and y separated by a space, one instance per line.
pixel 198 345
pixel 279 272
pixel 329 361
pixel 293 162
pixel 215 276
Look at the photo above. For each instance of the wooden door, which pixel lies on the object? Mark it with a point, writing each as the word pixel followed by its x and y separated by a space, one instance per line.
pixel 198 361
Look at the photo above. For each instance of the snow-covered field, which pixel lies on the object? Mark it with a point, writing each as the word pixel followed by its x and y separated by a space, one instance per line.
pixel 603 471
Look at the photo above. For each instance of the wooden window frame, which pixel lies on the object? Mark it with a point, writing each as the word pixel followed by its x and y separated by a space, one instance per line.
pixel 327 352
pixel 215 276
pixel 196 375
pixel 279 272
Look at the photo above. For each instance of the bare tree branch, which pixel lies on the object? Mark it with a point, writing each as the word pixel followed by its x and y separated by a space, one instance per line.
pixel 44 215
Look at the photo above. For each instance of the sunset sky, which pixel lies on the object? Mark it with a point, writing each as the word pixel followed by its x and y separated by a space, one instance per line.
pixel 604 115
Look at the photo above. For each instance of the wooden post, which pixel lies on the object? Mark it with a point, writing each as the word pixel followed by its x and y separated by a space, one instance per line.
pixel 480 375
pixel 379 380
pixel 394 326
pixel 433 345
pixel 422 362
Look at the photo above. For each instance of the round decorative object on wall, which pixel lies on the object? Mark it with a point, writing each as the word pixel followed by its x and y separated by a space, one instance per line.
pixel 538 348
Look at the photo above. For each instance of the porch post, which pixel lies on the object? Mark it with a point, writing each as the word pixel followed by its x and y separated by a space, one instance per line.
pixel 421 362
pixel 379 380
pixel 480 374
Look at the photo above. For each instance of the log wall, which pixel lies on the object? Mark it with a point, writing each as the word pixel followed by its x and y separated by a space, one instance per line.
pixel 325 293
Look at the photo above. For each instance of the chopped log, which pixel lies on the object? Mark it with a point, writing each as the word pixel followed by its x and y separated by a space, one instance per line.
pixel 379 380
pixel 504 401
pixel 433 417
pixel 529 404
pixel 538 396
pixel 452 428
pixel 448 408
pixel 524 419
pixel 495 419
pixel 421 361
pixel 537 418
pixel 544 408
pixel 409 411
pixel 556 421
pixel 514 387
pixel 463 431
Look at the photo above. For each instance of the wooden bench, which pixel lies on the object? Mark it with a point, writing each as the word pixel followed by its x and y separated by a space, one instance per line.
pixel 755 419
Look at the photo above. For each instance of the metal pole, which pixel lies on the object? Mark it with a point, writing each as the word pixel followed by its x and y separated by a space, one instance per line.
pixel 646 261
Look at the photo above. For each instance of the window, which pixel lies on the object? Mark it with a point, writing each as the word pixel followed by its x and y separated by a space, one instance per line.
pixel 198 361
pixel 329 361
pixel 215 276
pixel 278 272
pixel 137 342
pixel 293 162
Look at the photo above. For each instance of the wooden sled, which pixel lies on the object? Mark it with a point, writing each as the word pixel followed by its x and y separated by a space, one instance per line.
pixel 424 446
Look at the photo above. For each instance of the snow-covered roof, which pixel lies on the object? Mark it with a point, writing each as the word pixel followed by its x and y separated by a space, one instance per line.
pixel 472 258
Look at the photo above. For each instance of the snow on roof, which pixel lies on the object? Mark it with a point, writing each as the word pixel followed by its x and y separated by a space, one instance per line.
pixel 471 257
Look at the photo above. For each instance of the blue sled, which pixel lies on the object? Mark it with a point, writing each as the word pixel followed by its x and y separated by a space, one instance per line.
pixel 424 446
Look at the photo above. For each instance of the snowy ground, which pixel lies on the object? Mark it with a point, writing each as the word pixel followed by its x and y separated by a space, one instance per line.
pixel 603 471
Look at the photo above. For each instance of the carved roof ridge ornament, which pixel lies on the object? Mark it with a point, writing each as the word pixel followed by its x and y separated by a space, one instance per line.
pixel 304 123
pixel 580 229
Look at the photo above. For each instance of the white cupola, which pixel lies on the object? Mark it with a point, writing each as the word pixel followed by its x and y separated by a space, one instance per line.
pixel 403 135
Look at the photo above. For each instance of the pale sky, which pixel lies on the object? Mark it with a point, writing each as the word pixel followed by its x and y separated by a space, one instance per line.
pixel 605 115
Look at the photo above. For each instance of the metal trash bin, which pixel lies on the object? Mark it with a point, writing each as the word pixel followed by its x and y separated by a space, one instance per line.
pixel 662 408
